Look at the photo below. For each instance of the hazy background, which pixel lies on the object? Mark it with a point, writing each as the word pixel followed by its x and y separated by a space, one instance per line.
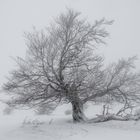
pixel 17 16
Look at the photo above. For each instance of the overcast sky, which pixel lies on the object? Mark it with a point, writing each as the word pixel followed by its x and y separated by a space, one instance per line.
pixel 17 16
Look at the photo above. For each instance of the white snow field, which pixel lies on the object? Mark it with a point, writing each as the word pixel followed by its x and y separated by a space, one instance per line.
pixel 24 125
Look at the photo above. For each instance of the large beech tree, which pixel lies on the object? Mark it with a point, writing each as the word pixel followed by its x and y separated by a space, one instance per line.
pixel 61 66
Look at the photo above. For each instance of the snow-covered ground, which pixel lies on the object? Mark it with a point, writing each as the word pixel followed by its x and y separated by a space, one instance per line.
pixel 24 125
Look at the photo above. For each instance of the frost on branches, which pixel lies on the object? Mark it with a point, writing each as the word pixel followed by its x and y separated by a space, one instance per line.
pixel 62 66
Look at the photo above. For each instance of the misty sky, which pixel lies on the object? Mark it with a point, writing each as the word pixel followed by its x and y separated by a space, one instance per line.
pixel 17 16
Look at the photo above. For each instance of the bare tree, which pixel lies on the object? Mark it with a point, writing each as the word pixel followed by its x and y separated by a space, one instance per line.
pixel 61 66
pixel 122 84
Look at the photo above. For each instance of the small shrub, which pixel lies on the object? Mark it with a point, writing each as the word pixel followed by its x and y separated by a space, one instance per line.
pixel 32 123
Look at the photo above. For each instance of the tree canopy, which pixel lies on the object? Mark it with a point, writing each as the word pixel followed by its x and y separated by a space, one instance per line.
pixel 62 66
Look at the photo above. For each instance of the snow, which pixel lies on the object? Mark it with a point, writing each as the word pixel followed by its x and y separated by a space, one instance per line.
pixel 25 125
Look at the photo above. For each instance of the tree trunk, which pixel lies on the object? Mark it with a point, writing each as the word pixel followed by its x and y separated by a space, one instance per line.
pixel 77 111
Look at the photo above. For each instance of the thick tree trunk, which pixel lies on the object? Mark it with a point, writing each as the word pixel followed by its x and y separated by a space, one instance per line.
pixel 77 111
